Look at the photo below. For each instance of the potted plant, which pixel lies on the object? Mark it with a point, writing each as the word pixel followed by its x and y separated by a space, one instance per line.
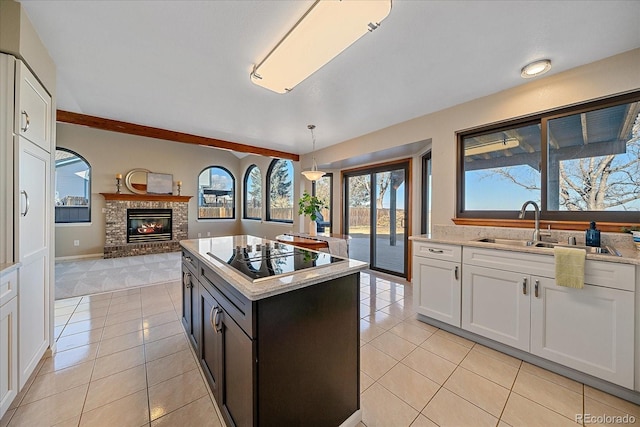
pixel 310 206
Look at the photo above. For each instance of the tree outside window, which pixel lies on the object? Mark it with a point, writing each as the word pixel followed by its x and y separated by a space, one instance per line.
pixel 280 181
pixel 253 193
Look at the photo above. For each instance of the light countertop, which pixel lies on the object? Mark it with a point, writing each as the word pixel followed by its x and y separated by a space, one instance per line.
pixel 8 267
pixel 256 290
pixel 468 236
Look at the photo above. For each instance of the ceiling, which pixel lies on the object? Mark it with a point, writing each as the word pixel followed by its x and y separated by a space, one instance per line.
pixel 184 65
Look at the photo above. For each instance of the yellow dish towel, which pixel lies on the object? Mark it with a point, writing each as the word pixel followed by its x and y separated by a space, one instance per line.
pixel 569 266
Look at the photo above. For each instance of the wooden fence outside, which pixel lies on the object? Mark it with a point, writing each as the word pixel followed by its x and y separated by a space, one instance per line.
pixel 360 217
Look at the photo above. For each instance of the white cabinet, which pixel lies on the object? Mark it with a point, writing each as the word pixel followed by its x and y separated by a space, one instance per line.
pixel 495 304
pixel 512 298
pixel 589 329
pixel 33 112
pixel 436 278
pixel 8 344
pixel 33 226
pixel 27 135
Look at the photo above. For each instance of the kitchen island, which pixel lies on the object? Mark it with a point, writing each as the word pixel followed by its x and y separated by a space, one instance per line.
pixel 276 329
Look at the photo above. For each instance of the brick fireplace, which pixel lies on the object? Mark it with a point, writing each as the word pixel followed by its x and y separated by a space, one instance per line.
pixel 118 224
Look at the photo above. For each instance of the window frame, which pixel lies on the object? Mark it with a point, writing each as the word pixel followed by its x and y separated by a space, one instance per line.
pixel 88 220
pixel 425 205
pixel 542 119
pixel 245 193
pixel 268 193
pixel 313 193
pixel 233 189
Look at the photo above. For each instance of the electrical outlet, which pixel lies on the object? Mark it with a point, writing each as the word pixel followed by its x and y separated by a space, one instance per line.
pixel 208 234
pixel 199 234
pixel 104 210
pixel 76 243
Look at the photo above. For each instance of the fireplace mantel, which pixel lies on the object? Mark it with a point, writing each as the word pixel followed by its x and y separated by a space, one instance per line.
pixel 146 197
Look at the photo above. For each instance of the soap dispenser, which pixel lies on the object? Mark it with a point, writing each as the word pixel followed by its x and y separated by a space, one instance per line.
pixel 592 236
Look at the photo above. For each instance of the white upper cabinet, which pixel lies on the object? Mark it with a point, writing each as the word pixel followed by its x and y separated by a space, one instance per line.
pixel 33 109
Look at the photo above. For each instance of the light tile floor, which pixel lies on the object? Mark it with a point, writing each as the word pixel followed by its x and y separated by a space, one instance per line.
pixel 123 360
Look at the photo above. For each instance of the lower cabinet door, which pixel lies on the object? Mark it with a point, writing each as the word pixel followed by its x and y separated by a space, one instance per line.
pixel 236 397
pixel 33 311
pixel 211 341
pixel 437 290
pixel 190 304
pixel 589 329
pixel 8 354
pixel 495 304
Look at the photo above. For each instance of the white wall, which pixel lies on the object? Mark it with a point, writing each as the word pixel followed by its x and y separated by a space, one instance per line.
pixel 614 75
pixel 109 153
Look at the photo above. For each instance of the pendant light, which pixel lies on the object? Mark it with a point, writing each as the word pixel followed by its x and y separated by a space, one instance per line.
pixel 314 174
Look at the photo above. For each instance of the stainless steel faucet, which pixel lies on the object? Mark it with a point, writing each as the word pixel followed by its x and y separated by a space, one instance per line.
pixel 536 231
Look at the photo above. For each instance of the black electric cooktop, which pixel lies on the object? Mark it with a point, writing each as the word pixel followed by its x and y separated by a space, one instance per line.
pixel 259 261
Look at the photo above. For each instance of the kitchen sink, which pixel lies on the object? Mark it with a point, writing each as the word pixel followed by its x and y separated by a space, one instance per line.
pixel 602 250
pixel 510 242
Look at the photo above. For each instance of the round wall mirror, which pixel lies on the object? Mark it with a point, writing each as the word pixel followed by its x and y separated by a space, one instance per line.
pixel 136 181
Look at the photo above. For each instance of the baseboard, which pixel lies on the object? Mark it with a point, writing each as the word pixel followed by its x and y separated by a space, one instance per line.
pixel 353 420
pixel 73 257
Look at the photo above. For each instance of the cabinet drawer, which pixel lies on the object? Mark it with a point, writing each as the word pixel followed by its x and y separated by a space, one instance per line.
pixel 610 274
pixel 438 251
pixel 232 301
pixel 190 261
pixel 523 263
pixel 8 286
pixel 33 109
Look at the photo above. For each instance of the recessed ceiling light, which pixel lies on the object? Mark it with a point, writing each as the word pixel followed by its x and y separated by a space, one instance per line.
pixel 535 68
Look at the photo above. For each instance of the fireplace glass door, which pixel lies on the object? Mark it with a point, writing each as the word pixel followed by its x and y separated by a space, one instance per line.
pixel 148 225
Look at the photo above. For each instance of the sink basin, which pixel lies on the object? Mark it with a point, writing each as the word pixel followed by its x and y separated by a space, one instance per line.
pixel 510 242
pixel 603 250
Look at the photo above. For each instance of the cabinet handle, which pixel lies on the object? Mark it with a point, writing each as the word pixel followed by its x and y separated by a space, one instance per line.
pixel 524 285
pixel 216 321
pixel 535 288
pixel 436 251
pixel 187 258
pixel 455 273
pixel 186 281
pixel 26 203
pixel 211 317
pixel 26 126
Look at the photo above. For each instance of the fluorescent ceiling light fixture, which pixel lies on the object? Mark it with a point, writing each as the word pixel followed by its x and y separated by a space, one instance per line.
pixel 328 28
pixel 314 174
pixel 535 68
pixel 490 147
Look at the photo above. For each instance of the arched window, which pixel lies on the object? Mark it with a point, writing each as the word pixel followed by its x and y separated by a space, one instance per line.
pixel 253 193
pixel 216 193
pixel 280 191
pixel 73 187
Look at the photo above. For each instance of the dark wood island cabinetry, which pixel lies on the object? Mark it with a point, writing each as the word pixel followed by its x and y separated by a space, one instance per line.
pixel 286 354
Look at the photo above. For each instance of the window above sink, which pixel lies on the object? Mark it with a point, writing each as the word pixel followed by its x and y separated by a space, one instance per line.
pixel 580 164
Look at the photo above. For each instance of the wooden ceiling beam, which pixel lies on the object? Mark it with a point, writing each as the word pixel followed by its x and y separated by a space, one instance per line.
pixel 168 135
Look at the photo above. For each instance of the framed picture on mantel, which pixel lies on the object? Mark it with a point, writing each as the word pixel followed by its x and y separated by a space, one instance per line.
pixel 159 183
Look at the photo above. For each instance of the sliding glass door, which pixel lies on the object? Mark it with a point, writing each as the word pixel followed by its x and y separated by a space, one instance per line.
pixel 376 216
